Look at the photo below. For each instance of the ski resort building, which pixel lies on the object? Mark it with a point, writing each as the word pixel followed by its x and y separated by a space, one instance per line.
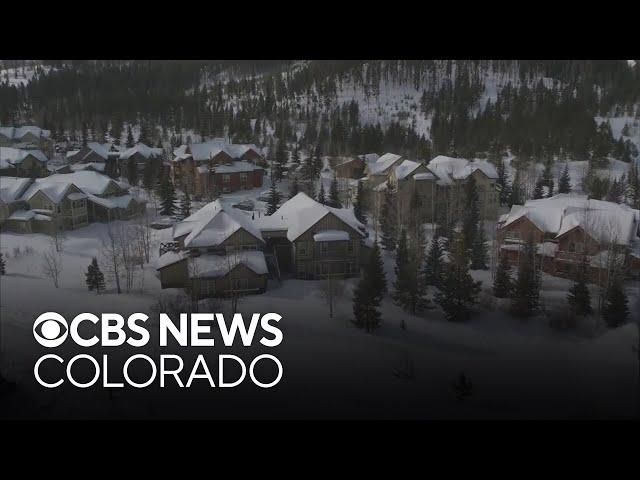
pixel 27 137
pixel 18 162
pixel 437 185
pixel 217 167
pixel 63 202
pixel 221 250
pixel 569 229
pixel 109 158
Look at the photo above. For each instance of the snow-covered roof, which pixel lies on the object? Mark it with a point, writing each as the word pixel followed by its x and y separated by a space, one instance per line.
pixel 78 167
pixel 331 236
pixel 76 196
pixel 213 224
pixel 144 150
pixel 17 133
pixel 206 150
pixel 22 215
pixel 369 157
pixel 236 167
pixel 214 266
pixel 101 150
pixel 56 186
pixel 448 169
pixel 121 201
pixel 405 169
pixel 12 188
pixel 302 212
pixel 380 166
pixel 169 258
pixel 11 156
pixel 603 221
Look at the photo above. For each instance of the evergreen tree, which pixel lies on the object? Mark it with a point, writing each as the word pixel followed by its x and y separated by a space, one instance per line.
pixel 2 265
pixel 502 183
pixel 279 162
pixel 458 292
pixel 616 305
pixel 167 197
pixel 359 204
pixel 294 188
pixel 185 205
pixel 526 293
pixel 389 219
pixel 471 213
pixel 503 283
pixel 547 178
pixel 564 184
pixel 321 195
pixel 368 293
pixel 94 278
pixel 334 196
pixel 579 297
pixel 273 201
pixel 403 278
pixel 433 266
pixel 479 253
pixel 130 140
pixel 538 192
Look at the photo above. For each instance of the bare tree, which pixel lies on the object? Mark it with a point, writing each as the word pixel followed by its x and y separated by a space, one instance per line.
pixel 111 256
pixel 52 264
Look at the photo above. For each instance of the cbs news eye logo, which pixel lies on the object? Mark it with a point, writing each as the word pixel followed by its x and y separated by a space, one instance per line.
pixel 50 329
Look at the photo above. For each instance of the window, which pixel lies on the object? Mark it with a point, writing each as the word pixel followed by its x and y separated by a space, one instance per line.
pixel 240 284
pixel 302 248
pixel 579 247
pixel 351 246
pixel 207 288
pixel 512 235
pixel 226 178
pixel 324 247
pixel 243 177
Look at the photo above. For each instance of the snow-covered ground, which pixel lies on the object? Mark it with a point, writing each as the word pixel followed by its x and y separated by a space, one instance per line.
pixel 331 369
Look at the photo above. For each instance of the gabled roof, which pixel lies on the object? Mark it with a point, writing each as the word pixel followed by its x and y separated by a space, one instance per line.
pixel 12 188
pixel 142 149
pixel 383 163
pixel 213 224
pixel 207 150
pixel 301 212
pixel 558 215
pixel 448 169
pixel 406 168
pixel 55 186
pixel 17 133
pixel 101 150
pixel 13 156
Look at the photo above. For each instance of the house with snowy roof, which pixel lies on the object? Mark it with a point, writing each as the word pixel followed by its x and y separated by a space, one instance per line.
pixel 217 167
pixel 451 174
pixel 27 137
pixel 569 229
pixel 18 162
pixel 139 155
pixel 233 247
pixel 68 201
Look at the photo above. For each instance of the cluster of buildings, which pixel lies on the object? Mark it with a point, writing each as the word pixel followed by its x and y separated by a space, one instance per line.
pixel 221 250
pixel 27 138
pixel 438 184
pixel 63 202
pixel 570 229
pixel 210 168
